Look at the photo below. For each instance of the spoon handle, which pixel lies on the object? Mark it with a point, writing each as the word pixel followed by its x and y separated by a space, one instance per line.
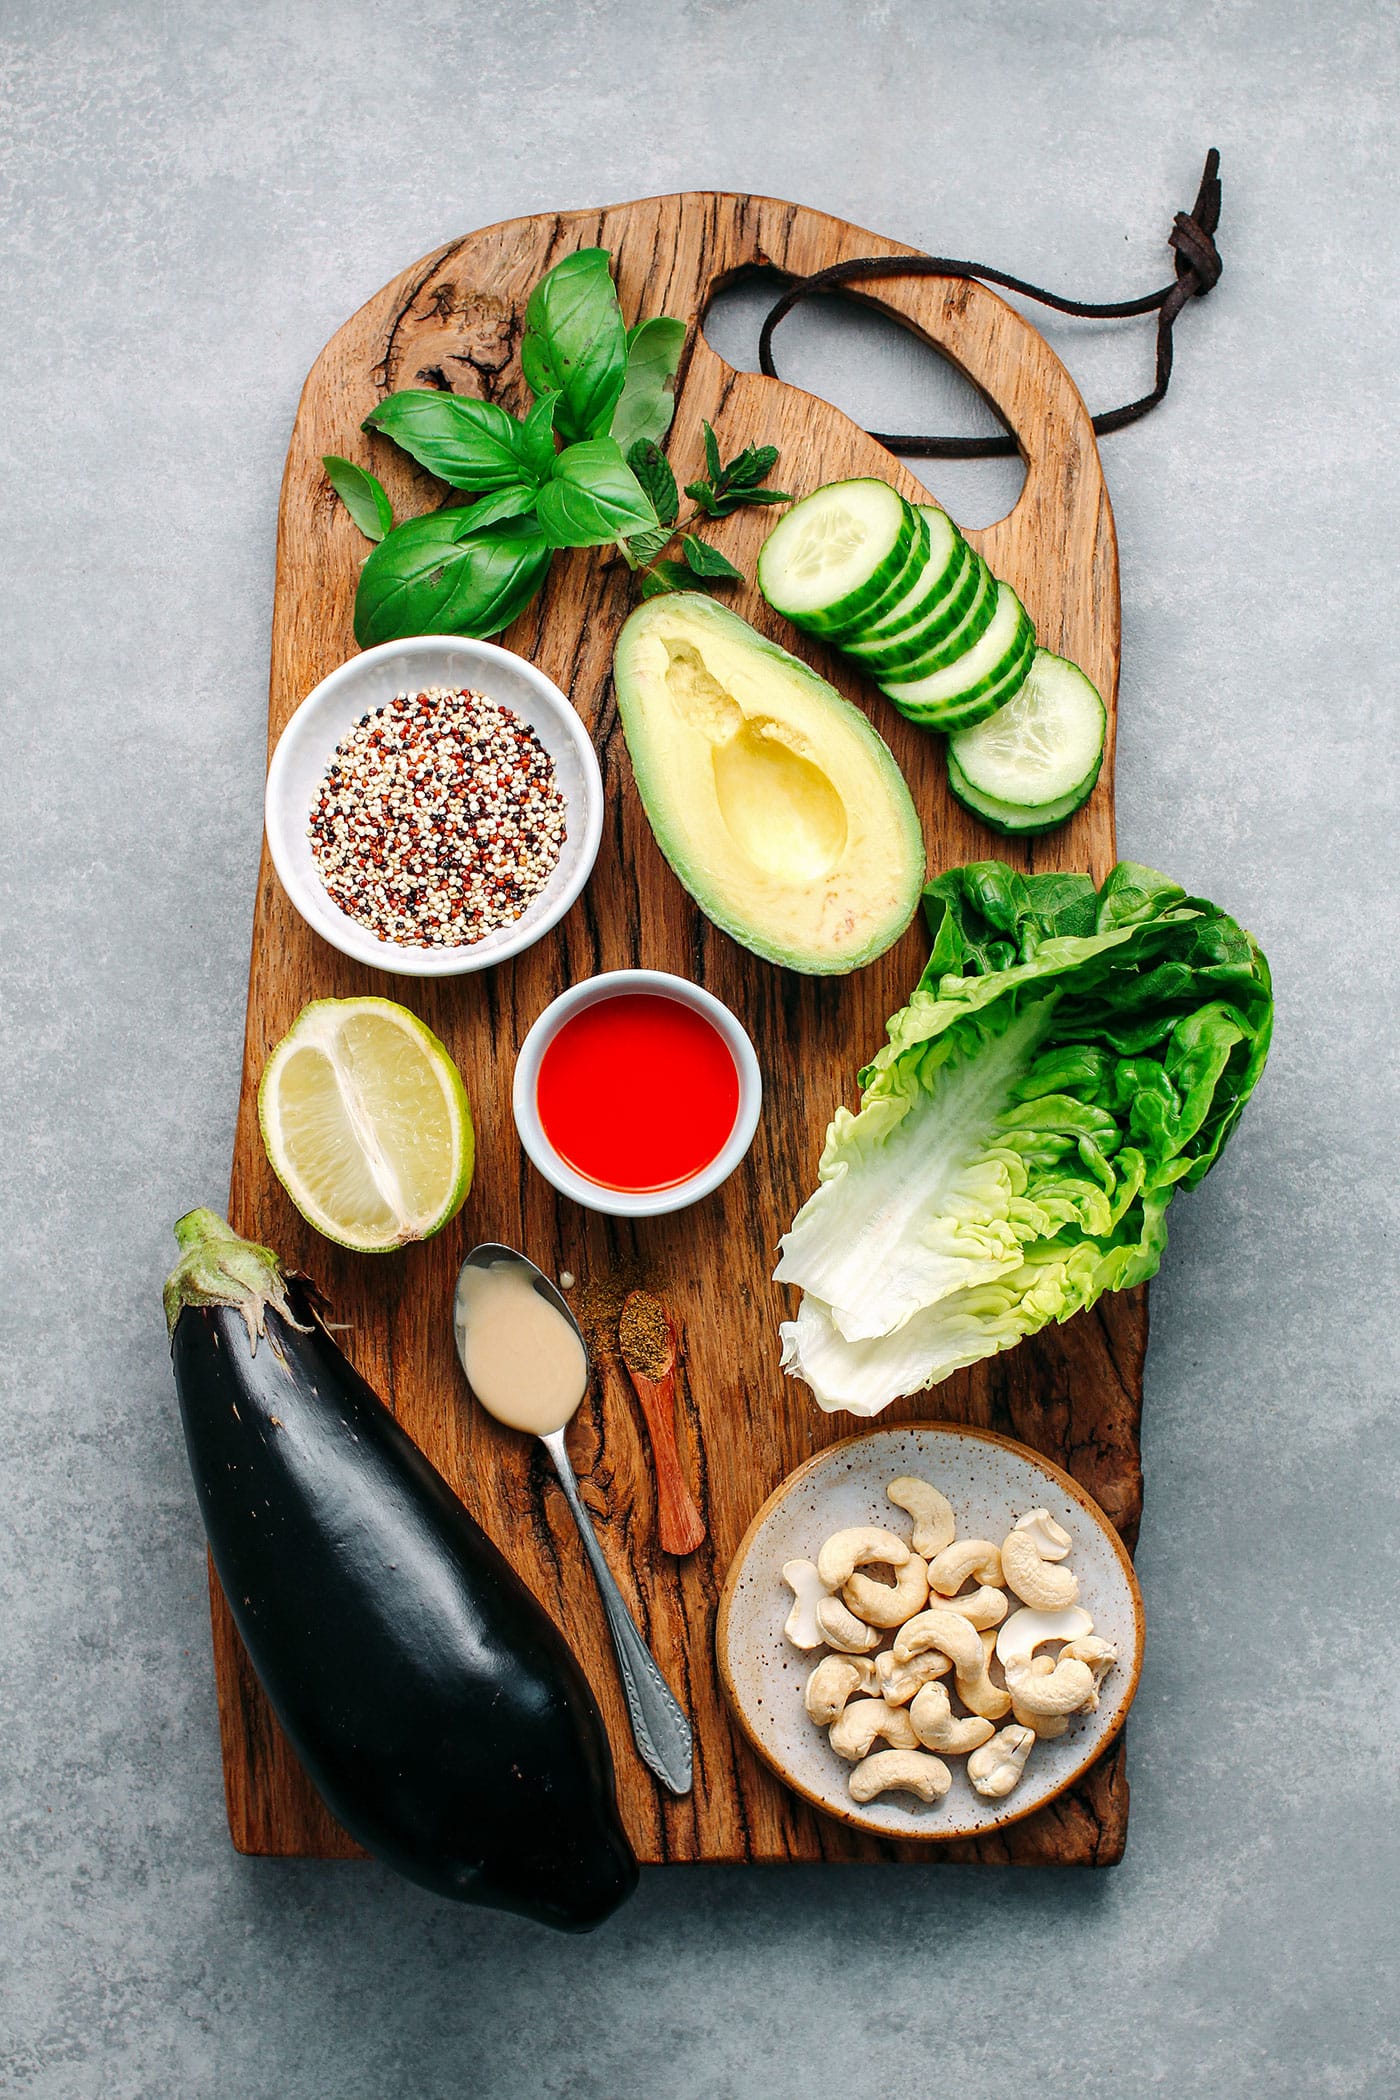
pixel 662 1732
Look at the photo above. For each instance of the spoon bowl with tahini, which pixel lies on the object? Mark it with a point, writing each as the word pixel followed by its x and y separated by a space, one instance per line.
pixel 525 1359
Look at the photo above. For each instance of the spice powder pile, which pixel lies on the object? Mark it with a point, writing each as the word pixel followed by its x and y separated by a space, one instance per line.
pixel 438 820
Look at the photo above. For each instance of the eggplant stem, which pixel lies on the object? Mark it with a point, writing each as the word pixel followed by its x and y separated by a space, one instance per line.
pixel 216 1267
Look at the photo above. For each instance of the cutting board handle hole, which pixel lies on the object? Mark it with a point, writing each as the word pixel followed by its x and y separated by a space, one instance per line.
pixel 880 375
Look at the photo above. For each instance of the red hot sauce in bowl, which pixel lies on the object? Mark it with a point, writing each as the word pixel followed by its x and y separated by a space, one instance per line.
pixel 638 1092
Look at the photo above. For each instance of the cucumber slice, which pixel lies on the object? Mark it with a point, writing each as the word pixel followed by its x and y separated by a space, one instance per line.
pixel 1044 745
pixel 842 630
pixel 836 552
pixel 951 715
pixel 947 557
pixel 933 648
pixel 1019 820
pixel 939 698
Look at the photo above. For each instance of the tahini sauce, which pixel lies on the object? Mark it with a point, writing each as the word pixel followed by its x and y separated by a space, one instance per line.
pixel 522 1358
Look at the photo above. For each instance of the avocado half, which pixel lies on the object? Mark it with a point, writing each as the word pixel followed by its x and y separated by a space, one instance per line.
pixel 778 806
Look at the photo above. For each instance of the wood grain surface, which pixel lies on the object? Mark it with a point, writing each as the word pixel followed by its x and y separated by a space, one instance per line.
pixel 453 320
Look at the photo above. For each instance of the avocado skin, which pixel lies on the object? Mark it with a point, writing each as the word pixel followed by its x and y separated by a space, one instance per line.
pixel 436 1707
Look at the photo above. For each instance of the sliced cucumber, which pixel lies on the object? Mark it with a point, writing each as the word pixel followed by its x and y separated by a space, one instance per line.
pixel 1019 819
pixel 951 715
pixel 946 558
pixel 980 670
pixel 841 631
pixel 944 640
pixel 1042 749
pixel 836 552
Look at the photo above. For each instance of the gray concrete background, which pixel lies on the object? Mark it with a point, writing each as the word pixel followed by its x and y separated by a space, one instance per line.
pixel 193 199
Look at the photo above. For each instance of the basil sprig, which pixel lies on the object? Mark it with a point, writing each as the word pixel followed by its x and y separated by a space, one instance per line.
pixel 582 468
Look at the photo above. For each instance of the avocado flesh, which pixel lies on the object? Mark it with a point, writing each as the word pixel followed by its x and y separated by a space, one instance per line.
pixel 777 804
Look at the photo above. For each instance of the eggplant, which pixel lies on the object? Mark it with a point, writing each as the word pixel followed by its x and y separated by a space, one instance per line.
pixel 436 1707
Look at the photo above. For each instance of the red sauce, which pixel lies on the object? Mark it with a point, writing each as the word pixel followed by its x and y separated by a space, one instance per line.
pixel 638 1092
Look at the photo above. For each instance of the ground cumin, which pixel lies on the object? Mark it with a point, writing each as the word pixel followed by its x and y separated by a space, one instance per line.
pixel 644 1336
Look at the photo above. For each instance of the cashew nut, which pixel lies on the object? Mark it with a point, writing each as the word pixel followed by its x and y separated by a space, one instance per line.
pixel 909 1771
pixel 1037 1581
pixel 1044 1691
pixel 845 1551
pixel 995 1769
pixel 938 1729
pixel 808 1589
pixel 983 1607
pixel 841 1629
pixel 899 1681
pixel 836 1679
pixel 857 1726
pixel 957 1637
pixel 1100 1656
pixel 1027 1630
pixel 1052 1540
pixel 950 1569
pixel 935 1526
pixel 885 1603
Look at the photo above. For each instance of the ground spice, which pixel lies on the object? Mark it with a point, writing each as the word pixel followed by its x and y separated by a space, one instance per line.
pixel 644 1336
pixel 439 819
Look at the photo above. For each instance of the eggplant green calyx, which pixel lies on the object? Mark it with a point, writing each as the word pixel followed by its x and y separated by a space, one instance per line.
pixel 216 1267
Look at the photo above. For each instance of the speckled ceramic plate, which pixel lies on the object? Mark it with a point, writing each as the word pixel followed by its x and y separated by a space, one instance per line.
pixel 990 1481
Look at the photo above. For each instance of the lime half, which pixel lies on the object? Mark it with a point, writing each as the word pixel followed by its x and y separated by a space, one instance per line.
pixel 366 1123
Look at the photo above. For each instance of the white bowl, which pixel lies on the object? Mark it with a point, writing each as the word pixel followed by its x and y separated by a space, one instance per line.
pixel 638 1203
pixel 371 680
pixel 990 1481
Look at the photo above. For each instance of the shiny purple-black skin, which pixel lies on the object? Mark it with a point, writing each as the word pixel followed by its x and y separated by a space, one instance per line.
pixel 438 1710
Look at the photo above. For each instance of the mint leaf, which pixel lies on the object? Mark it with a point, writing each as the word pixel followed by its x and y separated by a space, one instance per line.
pixel 468 444
pixel 593 497
pixel 753 465
pixel 704 560
pixel 700 492
pixel 712 453
pixel 646 404
pixel 639 547
pixel 759 496
pixel 665 576
pixel 434 575
pixel 537 436
pixel 575 344
pixel 652 468
pixel 362 494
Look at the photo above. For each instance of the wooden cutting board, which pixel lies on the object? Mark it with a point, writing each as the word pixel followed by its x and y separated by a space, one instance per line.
pixel 453 320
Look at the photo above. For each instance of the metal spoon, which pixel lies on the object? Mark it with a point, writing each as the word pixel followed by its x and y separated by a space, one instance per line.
pixel 661 1730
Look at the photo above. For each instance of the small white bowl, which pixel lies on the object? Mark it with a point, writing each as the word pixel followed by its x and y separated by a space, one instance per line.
pixel 634 1203
pixel 371 680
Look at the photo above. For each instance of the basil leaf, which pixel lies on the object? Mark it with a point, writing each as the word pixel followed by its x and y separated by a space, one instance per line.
pixel 433 575
pixel 704 560
pixel 666 576
pixel 646 404
pixel 362 494
pixel 712 453
pixel 754 463
pixel 652 468
pixel 594 497
pixel 512 502
pixel 575 344
pixel 468 444
pixel 537 437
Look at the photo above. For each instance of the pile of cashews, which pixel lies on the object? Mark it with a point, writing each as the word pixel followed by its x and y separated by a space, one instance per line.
pixel 863 1692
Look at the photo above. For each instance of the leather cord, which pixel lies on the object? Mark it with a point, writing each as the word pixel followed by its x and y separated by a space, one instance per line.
pixel 1197 269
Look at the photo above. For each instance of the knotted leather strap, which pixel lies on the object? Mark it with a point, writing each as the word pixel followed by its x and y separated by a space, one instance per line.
pixel 1197 269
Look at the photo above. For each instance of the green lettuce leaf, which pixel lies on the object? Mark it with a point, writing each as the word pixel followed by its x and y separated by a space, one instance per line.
pixel 1069 1058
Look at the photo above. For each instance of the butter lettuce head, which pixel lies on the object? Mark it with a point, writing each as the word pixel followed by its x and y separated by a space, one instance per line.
pixel 1069 1058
